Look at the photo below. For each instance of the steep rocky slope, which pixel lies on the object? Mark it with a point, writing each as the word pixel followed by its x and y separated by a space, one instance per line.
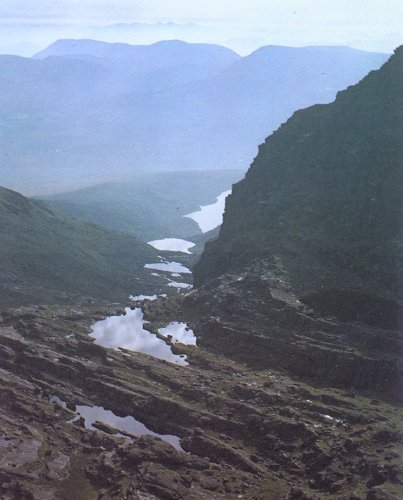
pixel 48 257
pixel 306 273
pixel 323 201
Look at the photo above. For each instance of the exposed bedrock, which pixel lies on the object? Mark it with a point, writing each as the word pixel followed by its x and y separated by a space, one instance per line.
pixel 246 432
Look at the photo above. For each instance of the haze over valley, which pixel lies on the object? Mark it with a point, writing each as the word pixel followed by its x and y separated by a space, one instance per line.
pixel 83 112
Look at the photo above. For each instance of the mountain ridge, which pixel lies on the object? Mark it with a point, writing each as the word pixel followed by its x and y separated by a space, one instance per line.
pixel 88 44
pixel 327 180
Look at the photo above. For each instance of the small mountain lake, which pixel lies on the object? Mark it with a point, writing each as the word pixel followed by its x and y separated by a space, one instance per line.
pixel 127 331
pixel 210 216
pixel 179 332
pixel 129 424
pixel 170 267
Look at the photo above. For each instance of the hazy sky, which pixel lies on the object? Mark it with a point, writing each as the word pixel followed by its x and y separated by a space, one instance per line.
pixel 28 25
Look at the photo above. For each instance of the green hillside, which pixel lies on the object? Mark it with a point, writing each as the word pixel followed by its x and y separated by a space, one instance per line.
pixel 48 257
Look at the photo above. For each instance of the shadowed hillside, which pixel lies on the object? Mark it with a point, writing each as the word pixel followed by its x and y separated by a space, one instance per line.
pixel 48 257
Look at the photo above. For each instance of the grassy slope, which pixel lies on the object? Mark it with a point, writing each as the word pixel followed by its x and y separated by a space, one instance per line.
pixel 44 255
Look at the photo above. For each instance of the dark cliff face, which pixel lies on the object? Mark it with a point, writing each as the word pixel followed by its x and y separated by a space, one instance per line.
pixel 323 197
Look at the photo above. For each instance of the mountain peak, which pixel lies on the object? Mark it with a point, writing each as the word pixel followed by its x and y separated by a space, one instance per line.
pixel 88 47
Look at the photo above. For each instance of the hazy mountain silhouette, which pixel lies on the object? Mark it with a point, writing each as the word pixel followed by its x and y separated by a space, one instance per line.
pixel 86 111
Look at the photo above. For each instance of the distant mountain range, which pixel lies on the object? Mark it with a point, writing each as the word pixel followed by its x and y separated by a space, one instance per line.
pixel 83 111
pixel 46 257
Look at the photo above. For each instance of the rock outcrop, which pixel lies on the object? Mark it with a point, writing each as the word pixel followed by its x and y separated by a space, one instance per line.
pixel 323 201
pixel 247 433
pixel 254 317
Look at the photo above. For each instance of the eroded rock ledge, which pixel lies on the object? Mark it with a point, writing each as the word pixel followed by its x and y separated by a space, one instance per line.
pixel 247 429
pixel 254 316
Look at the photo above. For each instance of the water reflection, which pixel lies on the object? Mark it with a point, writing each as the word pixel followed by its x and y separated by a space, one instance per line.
pixel 173 245
pixel 128 424
pixel 180 332
pixel 143 297
pixel 127 331
pixel 178 285
pixel 170 267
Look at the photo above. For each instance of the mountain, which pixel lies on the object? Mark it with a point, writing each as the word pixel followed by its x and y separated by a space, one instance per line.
pixel 254 95
pixel 323 196
pixel 154 67
pixel 46 257
pixel 169 53
pixel 98 112
pixel 283 396
pixel 306 272
pixel 150 206
pixel 285 79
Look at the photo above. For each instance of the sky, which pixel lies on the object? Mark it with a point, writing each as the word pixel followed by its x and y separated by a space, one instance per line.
pixel 27 26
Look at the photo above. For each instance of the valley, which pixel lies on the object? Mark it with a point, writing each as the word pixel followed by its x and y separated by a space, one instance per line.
pixel 173 328
pixel 151 206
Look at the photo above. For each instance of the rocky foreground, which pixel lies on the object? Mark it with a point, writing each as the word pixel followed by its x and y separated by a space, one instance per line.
pixel 246 429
